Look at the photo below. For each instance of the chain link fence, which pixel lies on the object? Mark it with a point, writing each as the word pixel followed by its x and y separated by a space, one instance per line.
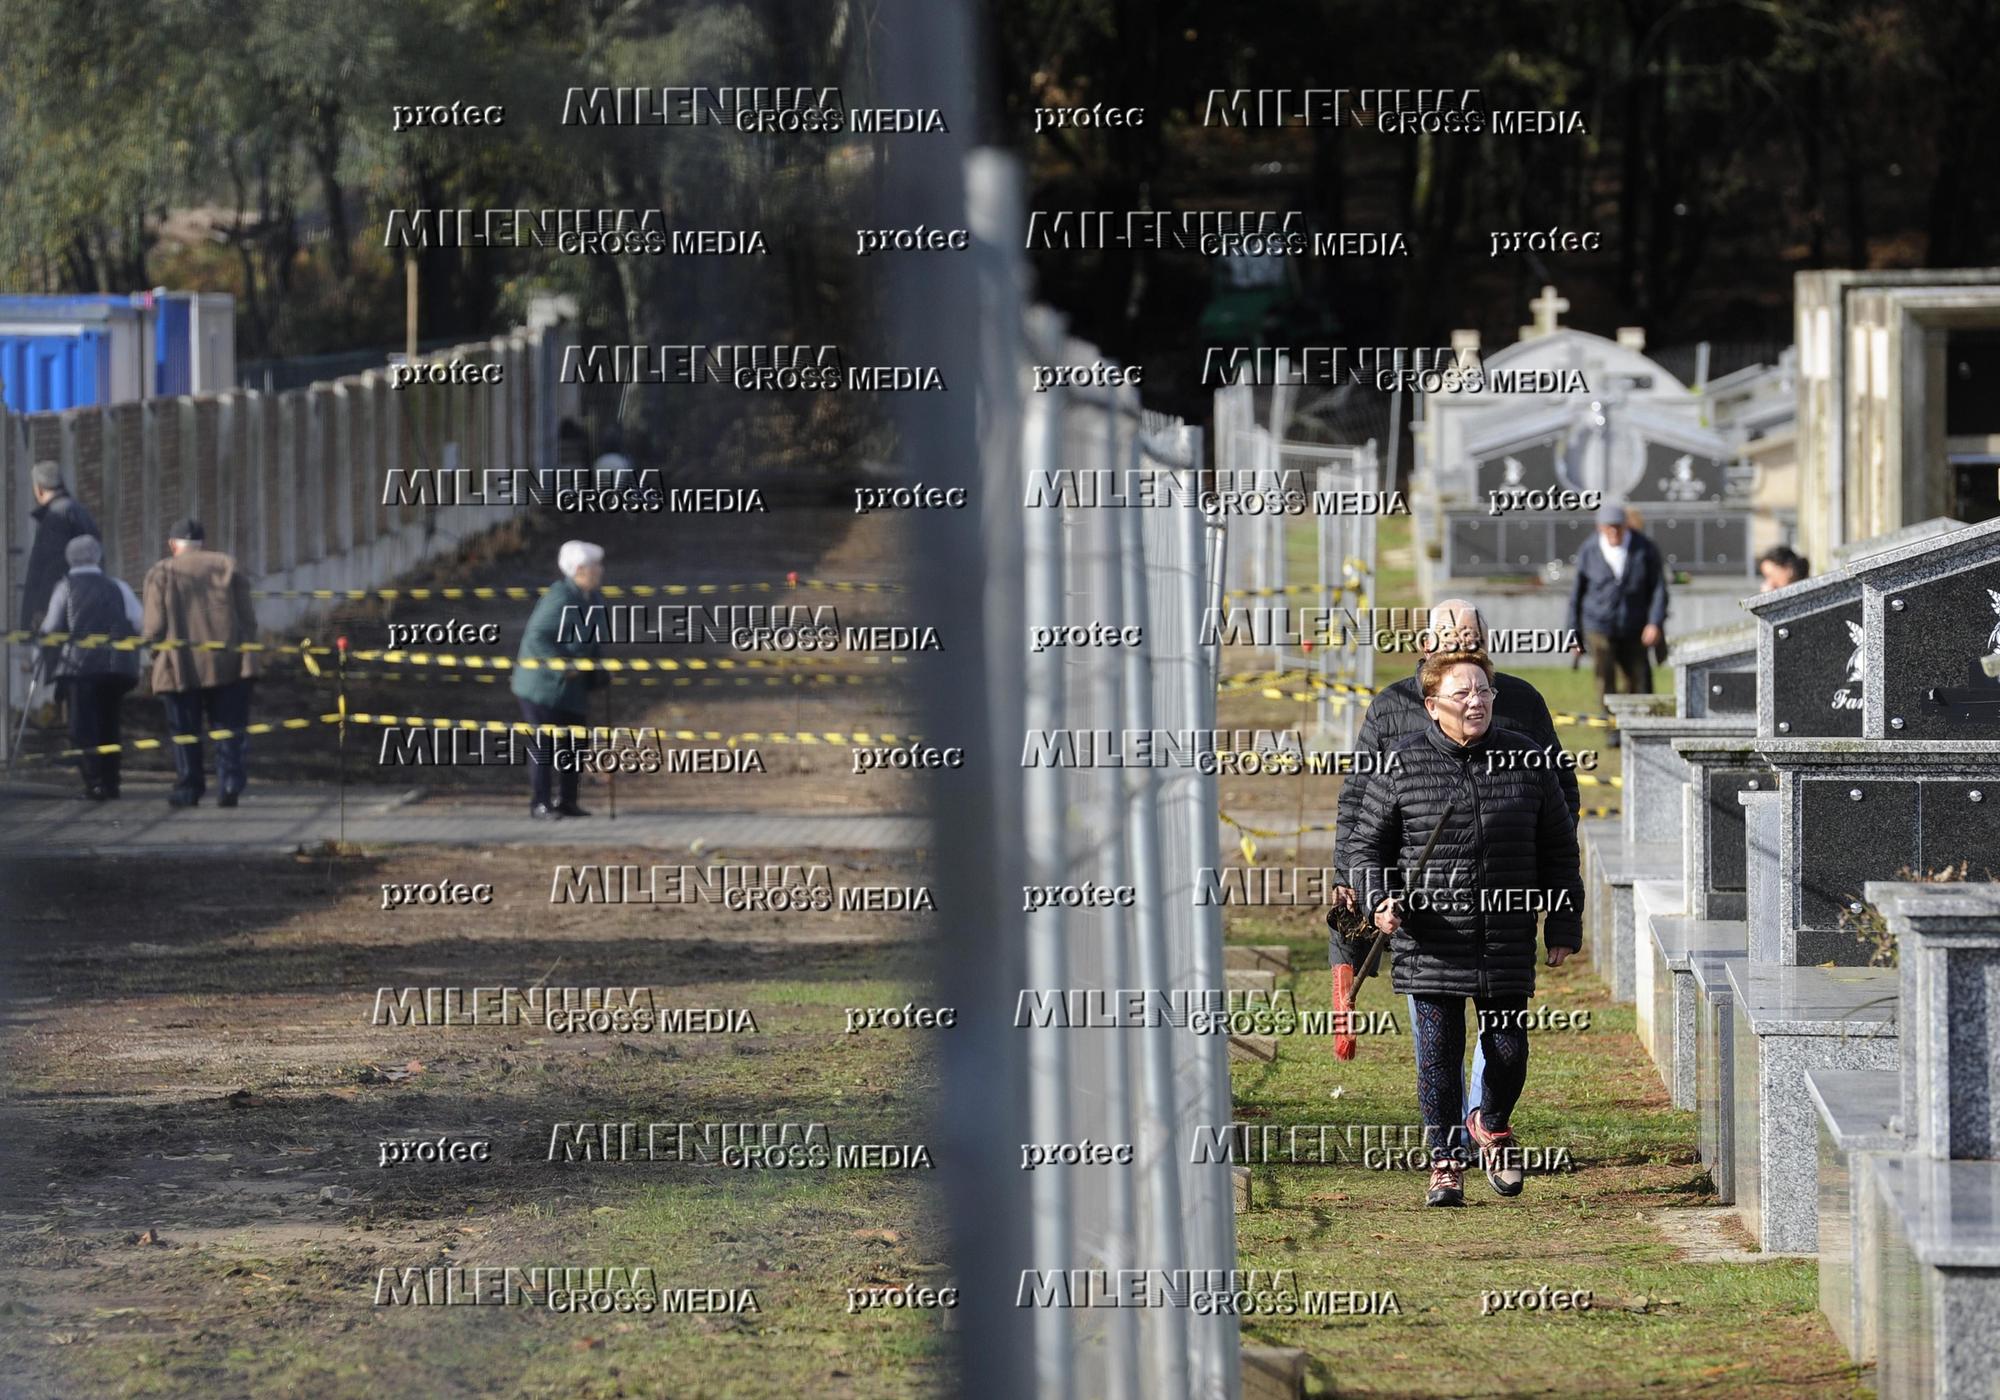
pixel 1314 556
pixel 1088 1059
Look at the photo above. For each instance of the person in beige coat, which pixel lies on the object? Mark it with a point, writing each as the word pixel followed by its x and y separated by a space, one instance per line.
pixel 193 596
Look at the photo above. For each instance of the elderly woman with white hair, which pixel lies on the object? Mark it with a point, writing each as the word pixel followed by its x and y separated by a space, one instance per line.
pixel 567 625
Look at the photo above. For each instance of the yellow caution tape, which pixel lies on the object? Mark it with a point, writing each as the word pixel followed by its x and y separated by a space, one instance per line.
pixel 98 641
pixel 705 736
pixel 634 590
pixel 614 664
pixel 792 680
pixel 1249 847
pixel 141 745
pixel 1351 568
pixel 803 738
pixel 1274 835
pixel 1337 701
pixel 1264 680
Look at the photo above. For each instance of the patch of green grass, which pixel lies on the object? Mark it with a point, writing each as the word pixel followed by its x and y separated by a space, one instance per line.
pixel 1656 1324
pixel 1395 582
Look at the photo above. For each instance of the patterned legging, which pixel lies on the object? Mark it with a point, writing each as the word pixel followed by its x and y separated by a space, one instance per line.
pixel 1440 1037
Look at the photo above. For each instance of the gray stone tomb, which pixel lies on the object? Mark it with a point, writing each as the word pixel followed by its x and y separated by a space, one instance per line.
pixel 1860 1117
pixel 1715 1067
pixel 1715 672
pixel 1789 1020
pixel 1676 943
pixel 1715 839
pixel 1930 613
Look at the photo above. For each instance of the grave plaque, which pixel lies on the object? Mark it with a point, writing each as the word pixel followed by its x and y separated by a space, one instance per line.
pixel 1732 693
pixel 1816 673
pixel 1474 544
pixel 1683 477
pixel 1725 823
pixel 1961 824
pixel 1869 809
pixel 1568 534
pixel 1715 671
pixel 1531 468
pixel 1854 830
pixel 1678 538
pixel 1934 636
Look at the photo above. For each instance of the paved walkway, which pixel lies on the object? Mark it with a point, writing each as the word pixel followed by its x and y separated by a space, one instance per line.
pixel 45 821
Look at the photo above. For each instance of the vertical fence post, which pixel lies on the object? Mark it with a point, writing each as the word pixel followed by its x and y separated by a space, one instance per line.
pixel 1047 952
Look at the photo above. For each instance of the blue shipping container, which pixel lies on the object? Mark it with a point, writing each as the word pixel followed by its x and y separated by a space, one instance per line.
pixel 48 373
pixel 59 352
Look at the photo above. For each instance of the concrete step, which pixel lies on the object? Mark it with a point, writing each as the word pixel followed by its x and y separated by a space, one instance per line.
pixel 1263 1048
pixel 1239 1181
pixel 1249 980
pixel 1274 1373
pixel 1269 957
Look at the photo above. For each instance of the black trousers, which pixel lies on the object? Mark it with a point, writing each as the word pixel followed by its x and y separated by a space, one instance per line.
pixel 196 712
pixel 1619 658
pixel 1439 1031
pixel 93 720
pixel 542 749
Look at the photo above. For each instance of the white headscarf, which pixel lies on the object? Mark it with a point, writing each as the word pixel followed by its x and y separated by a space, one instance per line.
pixel 577 553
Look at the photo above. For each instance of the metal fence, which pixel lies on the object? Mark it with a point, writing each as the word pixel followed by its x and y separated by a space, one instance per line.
pixel 1062 539
pixel 1145 570
pixel 308 488
pixel 1316 554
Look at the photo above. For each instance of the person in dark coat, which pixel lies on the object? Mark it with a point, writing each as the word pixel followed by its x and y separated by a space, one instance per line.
pixel 59 518
pixel 1618 604
pixel 89 603
pixel 562 627
pixel 1506 851
pixel 1397 712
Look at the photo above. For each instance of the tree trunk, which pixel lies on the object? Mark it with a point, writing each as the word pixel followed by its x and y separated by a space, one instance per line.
pixel 326 161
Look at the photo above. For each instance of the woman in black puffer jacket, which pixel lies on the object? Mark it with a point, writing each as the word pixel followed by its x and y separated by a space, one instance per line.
pixel 1506 852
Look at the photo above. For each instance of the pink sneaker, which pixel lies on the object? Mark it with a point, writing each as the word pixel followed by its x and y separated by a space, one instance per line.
pixel 1497 1154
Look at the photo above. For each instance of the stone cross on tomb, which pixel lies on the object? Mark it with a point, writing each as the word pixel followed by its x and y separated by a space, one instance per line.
pixel 1547 308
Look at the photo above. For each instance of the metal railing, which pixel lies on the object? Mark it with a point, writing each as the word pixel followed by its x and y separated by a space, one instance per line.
pixel 1064 542
pixel 1311 555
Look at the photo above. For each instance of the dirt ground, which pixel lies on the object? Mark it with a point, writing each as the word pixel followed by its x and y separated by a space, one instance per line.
pixel 784 692
pixel 196 1092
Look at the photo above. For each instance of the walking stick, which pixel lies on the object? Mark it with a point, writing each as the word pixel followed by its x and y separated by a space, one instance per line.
pixel 1348 977
pixel 613 796
pixel 340 646
pixel 34 683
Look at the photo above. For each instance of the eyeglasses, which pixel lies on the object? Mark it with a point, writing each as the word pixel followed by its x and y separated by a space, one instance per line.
pixel 1484 692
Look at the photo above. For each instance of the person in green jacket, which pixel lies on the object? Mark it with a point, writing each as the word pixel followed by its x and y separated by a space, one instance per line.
pixel 567 623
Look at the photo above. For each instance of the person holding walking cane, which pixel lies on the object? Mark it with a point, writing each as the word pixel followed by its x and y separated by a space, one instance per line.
pixel 90 603
pixel 567 625
pixel 1501 849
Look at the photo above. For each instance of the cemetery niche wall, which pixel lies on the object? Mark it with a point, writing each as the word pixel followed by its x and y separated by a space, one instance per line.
pixel 1508 475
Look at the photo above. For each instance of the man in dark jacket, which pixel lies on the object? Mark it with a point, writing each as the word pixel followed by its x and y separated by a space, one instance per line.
pixel 59 518
pixel 1618 604
pixel 566 625
pixel 90 604
pixel 1506 851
